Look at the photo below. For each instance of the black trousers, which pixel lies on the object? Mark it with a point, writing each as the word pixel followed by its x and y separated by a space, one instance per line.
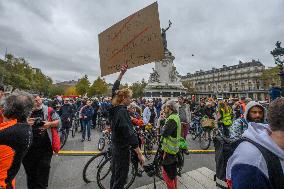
pixel 94 120
pixel 119 168
pixel 66 125
pixel 226 131
pixel 37 167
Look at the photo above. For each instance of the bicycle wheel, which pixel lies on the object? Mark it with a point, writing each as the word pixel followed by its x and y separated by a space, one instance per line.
pixel 104 174
pixel 63 138
pixel 148 147
pixel 101 144
pixel 91 167
pixel 102 125
pixel 77 124
pixel 192 131
pixel 73 129
pixel 205 139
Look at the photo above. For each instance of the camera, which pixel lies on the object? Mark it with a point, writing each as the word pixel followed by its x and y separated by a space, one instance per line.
pixel 38 123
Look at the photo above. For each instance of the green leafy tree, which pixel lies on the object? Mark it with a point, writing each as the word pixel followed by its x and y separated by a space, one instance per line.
pixel 188 85
pixel 55 90
pixel 98 88
pixel 70 91
pixel 270 76
pixel 83 85
pixel 20 75
pixel 138 88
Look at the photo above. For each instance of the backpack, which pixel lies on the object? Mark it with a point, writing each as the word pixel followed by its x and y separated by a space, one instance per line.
pixel 54 133
pixel 224 149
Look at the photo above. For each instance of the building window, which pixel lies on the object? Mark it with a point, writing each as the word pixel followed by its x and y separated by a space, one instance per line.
pixel 176 94
pixel 156 94
pixel 230 87
pixel 249 86
pixel 166 94
pixel 148 94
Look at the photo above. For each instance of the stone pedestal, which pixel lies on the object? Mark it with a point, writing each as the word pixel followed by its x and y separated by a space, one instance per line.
pixel 164 82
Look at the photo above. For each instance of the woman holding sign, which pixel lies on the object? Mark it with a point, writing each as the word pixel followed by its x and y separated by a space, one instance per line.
pixel 123 135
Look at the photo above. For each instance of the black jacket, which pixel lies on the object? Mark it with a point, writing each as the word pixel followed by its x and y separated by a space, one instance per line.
pixel 123 135
pixel 66 112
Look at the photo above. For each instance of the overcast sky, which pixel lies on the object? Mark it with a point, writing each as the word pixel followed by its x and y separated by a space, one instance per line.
pixel 61 37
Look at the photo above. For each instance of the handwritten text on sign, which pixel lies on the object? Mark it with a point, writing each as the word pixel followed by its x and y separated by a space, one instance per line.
pixel 135 41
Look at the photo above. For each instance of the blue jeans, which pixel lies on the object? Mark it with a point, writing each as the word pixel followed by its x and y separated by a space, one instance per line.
pixel 86 127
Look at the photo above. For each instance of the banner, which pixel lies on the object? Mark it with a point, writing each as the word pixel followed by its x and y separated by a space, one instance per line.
pixel 136 40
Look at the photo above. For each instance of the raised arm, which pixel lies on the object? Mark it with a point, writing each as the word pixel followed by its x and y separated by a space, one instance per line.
pixel 116 85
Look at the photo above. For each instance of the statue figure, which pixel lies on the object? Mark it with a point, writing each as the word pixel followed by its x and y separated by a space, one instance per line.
pixel 174 74
pixel 164 35
pixel 278 44
pixel 154 77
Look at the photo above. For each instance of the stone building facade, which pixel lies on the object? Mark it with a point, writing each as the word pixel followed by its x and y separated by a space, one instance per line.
pixel 243 79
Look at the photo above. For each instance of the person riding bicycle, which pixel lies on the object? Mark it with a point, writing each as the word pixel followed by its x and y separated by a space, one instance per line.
pixel 170 137
pixel 66 114
pixel 200 110
pixel 123 135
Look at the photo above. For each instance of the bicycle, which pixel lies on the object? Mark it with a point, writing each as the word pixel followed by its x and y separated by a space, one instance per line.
pixel 91 167
pixel 148 137
pixel 104 169
pixel 74 125
pixel 195 129
pixel 63 137
pixel 106 136
pixel 103 123
pixel 208 134
pixel 154 169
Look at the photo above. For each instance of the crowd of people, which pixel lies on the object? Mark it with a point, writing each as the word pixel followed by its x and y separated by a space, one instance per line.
pixel 26 122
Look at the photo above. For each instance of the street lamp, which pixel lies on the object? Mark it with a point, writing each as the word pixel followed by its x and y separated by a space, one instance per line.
pixel 278 55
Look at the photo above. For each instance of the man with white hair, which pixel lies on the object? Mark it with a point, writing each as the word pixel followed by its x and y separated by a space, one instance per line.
pixel 171 134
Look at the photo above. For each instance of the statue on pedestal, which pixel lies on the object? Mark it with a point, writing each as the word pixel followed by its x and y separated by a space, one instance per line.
pixel 164 36
pixel 174 74
pixel 278 44
pixel 154 77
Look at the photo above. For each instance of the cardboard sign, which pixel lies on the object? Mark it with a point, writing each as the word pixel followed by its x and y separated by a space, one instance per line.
pixel 136 40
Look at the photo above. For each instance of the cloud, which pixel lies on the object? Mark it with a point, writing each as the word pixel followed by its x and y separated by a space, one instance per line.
pixel 61 37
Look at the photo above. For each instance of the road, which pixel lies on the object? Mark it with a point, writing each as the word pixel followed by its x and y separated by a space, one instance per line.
pixel 66 171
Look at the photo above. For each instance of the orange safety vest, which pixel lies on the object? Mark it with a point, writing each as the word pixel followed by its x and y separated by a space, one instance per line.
pixel 7 156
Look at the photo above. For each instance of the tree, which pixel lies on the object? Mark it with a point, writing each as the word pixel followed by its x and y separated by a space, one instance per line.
pixel 98 88
pixel 71 91
pixel 83 85
pixel 188 85
pixel 55 90
pixel 123 85
pixel 138 88
pixel 17 73
pixel 270 76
